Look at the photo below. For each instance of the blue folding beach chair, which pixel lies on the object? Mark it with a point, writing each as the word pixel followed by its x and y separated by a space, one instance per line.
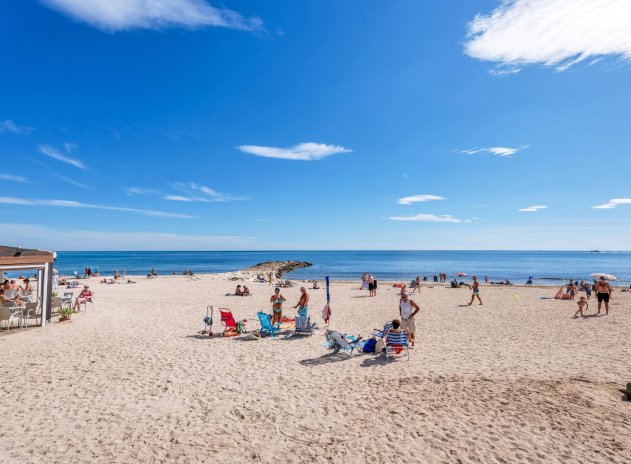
pixel 266 324
pixel 396 342
pixel 381 333
pixel 304 326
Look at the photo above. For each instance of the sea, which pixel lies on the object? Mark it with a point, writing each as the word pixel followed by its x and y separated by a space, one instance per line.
pixel 545 267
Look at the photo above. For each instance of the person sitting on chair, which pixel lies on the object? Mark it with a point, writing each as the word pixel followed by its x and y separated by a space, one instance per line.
pixel 84 297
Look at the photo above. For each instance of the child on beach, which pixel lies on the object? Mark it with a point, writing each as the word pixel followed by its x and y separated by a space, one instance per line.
pixel 582 302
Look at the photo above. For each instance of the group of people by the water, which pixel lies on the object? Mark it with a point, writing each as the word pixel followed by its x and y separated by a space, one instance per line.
pixel 601 288
pixel 369 283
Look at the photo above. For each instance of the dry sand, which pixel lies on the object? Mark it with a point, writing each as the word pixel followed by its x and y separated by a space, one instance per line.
pixel 515 380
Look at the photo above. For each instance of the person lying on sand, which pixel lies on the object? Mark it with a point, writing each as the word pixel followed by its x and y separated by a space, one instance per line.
pixel 582 303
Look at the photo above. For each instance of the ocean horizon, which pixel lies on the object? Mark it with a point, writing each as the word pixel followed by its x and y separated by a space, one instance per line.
pixel 546 267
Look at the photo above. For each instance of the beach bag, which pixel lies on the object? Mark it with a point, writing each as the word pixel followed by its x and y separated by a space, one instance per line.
pixel 380 345
pixel 369 346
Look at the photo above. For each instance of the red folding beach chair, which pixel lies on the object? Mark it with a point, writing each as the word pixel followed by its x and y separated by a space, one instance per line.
pixel 231 326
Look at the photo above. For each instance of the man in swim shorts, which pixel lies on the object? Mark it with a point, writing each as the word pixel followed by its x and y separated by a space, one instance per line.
pixel 303 303
pixel 475 287
pixel 603 293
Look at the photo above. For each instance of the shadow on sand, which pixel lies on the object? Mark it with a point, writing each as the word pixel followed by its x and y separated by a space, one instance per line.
pixel 325 359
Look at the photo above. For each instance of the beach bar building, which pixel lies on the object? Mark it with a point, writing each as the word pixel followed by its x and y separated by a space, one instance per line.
pixel 14 259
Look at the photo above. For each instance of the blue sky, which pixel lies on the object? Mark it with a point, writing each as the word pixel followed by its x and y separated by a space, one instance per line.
pixel 147 124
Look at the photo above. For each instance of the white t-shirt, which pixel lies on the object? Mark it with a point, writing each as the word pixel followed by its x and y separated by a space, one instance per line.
pixel 406 309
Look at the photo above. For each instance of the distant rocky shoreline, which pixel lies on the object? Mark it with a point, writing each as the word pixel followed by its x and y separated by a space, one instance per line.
pixel 279 268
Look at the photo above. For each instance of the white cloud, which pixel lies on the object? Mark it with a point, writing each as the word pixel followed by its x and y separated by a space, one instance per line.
pixel 614 203
pixel 12 178
pixel 499 151
pixel 76 204
pixel 556 33
pixel 200 193
pixel 32 236
pixel 533 209
pixel 131 191
pixel 72 182
pixel 426 218
pixel 302 152
pixel 9 126
pixel 56 154
pixel 117 15
pixel 418 199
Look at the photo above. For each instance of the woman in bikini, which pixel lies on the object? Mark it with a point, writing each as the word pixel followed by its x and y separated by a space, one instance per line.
pixel 277 305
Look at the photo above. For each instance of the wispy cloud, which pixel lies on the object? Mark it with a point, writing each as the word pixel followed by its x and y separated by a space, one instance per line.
pixel 12 178
pixel 427 218
pixel 199 193
pixel 72 182
pixel 555 33
pixel 499 151
pixel 418 199
pixel 75 238
pixel 56 154
pixel 131 191
pixel 302 152
pixel 9 126
pixel 117 15
pixel 77 204
pixel 614 203
pixel 533 209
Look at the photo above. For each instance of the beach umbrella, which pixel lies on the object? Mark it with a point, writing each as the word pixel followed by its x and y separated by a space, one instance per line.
pixel 326 311
pixel 598 275
pixel 461 274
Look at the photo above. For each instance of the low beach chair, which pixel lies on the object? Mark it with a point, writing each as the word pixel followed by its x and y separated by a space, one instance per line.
pixel 231 326
pixel 381 333
pixel 339 341
pixel 304 326
pixel 396 342
pixel 266 324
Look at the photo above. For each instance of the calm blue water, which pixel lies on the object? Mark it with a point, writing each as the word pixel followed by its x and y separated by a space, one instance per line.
pixel 546 267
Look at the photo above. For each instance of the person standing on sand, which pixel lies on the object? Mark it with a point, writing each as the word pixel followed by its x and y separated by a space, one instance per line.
pixel 277 305
pixel 603 293
pixel 486 279
pixel 371 285
pixel 407 310
pixel 303 303
pixel 269 278
pixel 475 287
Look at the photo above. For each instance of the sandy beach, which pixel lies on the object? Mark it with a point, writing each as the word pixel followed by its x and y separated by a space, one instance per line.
pixel 515 380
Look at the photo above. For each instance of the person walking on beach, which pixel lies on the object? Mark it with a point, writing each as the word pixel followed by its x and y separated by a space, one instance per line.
pixel 277 305
pixel 303 303
pixel 407 310
pixel 417 284
pixel 603 293
pixel 475 287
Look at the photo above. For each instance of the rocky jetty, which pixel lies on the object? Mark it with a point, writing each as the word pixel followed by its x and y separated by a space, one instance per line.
pixel 277 267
